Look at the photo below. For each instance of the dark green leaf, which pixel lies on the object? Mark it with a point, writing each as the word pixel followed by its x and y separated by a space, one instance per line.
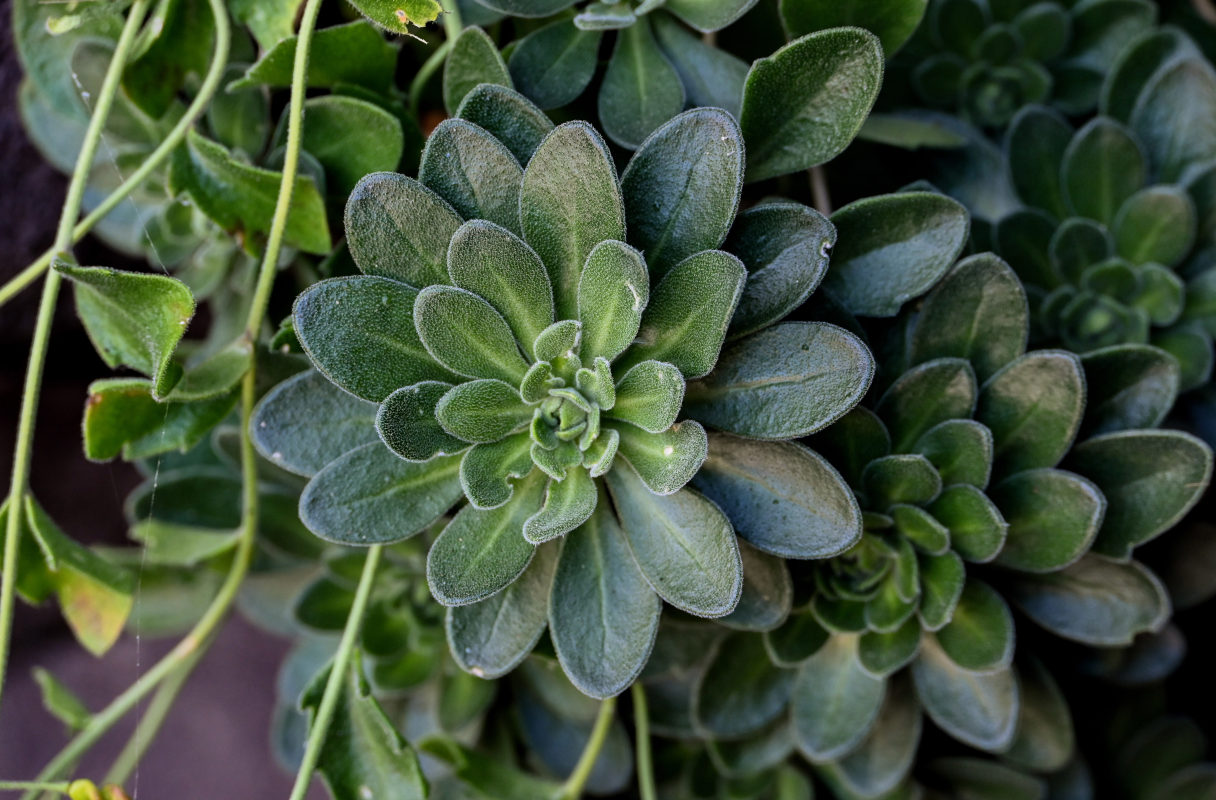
pixel 408 425
pixel 925 397
pixel 370 496
pixel 893 248
pixel 481 411
pixel 741 691
pixel 474 59
pixel 554 64
pixel 1033 407
pixel 960 449
pixel 711 76
pixel 664 461
pixel 781 497
pixel 835 702
pixel 641 89
pixel 881 654
pixel 351 138
pixel 1044 740
pixel 485 469
pixel 783 382
pixel 569 502
pixel 1130 386
pixel 979 635
pixel 1175 117
pixel 613 291
pixel 708 15
pixel 341 54
pixel 977 529
pixel 1157 225
pixel 508 116
pixel 1102 168
pixel 398 228
pixel 941 580
pixel 768 592
pixel 649 396
pixel 900 478
pixel 892 21
pixel 682 187
pixel 61 701
pixel 804 104
pixel 179 46
pixel 1035 144
pixel 977 708
pixel 465 333
pixel 474 172
pixel 121 415
pixel 1053 518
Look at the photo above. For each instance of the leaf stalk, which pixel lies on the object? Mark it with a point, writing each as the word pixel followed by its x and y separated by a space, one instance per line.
pixel 572 789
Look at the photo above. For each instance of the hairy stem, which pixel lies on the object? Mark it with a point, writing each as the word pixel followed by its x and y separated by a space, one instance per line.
pixel 424 74
pixel 572 789
pixel 23 450
pixel 211 82
pixel 641 735
pixel 337 676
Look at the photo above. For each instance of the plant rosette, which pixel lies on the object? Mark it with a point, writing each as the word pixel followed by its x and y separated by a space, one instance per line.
pixel 986 59
pixel 530 367
pixel 975 501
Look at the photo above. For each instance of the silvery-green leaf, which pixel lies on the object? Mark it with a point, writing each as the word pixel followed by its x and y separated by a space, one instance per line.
pixel 961 449
pixel 711 76
pixel 685 322
pixel 305 422
pixel 465 333
pixel 1044 740
pixel 708 15
pixel 682 542
pixel 398 228
pixel 941 585
pixel 682 187
pixel 803 104
pixel 473 171
pixel 1094 601
pixel 741 692
pixel 649 396
pixel 786 381
pixel 768 592
pixel 920 528
pixel 489 638
pixel 1033 407
pixel 885 756
pixel 900 479
pixel 926 396
pixel 479 553
pixel 1103 166
pixel 1053 518
pixel 473 59
pixel 781 497
pixel 785 247
pixel 406 422
pixel 485 469
pixel 893 248
pixel 508 116
pixel 1151 479
pixel 559 340
pixel 370 496
pixel 978 312
pixel 613 291
pixel 883 653
pixel 603 615
pixel 494 264
pixel 641 89
pixel 553 65
pixel 834 703
pixel 977 708
pixel 977 528
pixel 568 504
pixel 359 332
pixel 979 635
pixel 481 411
pixel 664 461
pixel 569 203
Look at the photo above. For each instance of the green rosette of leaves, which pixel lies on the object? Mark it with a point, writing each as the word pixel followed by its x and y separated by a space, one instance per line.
pixel 985 59
pixel 533 369
pixel 976 503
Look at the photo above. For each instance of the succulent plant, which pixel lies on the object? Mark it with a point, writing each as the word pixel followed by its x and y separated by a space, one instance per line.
pixel 557 381
pixel 985 59
pixel 975 501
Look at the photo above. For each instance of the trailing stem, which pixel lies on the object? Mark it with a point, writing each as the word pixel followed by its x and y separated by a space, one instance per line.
pixel 23 449
pixel 572 789
pixel 641 733
pixel 211 82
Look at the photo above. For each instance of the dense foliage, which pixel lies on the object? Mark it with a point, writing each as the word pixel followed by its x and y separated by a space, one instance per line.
pixel 504 356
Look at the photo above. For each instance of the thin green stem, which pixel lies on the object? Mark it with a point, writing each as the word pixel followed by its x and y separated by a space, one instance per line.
pixel 211 82
pixel 33 786
pixel 641 734
pixel 452 25
pixel 23 450
pixel 424 74
pixel 572 789
pixel 337 675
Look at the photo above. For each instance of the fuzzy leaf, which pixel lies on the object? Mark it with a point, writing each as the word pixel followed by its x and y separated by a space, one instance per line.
pixel 508 116
pixel 797 111
pixel 685 322
pixel 977 708
pixel 1175 117
pixel 569 203
pixel 473 171
pixel 359 333
pixel 306 422
pixel 881 654
pixel 641 89
pixel 1130 386
pixel 781 497
pixel 487 774
pixel 979 635
pixel 370 496
pixel 941 583
pixel 740 691
pixel 407 424
pixel 960 449
pixel 1035 144
pixel 1155 225
pixel 490 637
pixel 664 461
pixel 1103 166
pixel 397 228
pixel 1053 518
pixel 768 592
pixel 1033 407
pixel 133 319
pixel 351 138
pixel 482 411
pixel 835 702
pixel 682 187
pixel 649 396
pixel 121 415
pixel 978 312
pixel 480 553
pixel 1151 479
pixel 884 758
pixel 708 15
pixel 892 21
pixel 474 59
pixel 711 76
pixel 554 64
pixel 900 478
pixel 785 248
pixel 783 382
pixel 465 334
pixel 396 16
pixel 568 504
pixel 485 468
pixel 1045 732
pixel 603 616
pixel 893 248
pixel 340 54
pixel 613 291
pixel 926 396
pixel 1095 601
pixel 682 543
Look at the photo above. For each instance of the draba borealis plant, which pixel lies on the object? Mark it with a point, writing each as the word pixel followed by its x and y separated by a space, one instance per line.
pixel 544 343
